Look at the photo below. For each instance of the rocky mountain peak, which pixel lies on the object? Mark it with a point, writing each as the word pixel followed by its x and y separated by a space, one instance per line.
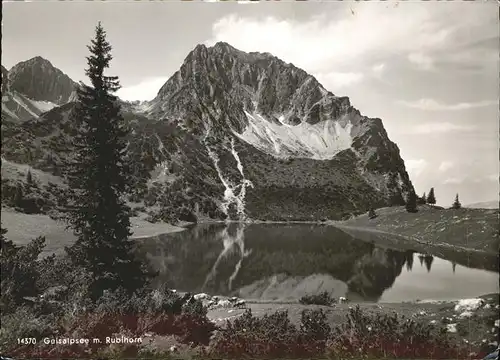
pixel 224 46
pixel 221 94
pixel 255 86
pixel 39 80
pixel 37 61
pixel 258 81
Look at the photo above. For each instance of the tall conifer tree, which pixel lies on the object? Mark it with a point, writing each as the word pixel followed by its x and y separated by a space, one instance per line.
pixel 98 176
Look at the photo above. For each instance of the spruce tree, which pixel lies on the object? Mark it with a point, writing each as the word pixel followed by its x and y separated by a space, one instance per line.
pixel 18 195
pixel 431 198
pixel 422 200
pixel 456 204
pixel 29 178
pixel 411 202
pixel 98 176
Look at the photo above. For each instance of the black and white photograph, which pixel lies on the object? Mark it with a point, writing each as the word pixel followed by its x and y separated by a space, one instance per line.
pixel 250 179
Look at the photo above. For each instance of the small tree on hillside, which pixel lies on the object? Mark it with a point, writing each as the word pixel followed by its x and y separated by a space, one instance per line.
pixel 18 195
pixel 372 214
pixel 411 202
pixel 422 200
pixel 431 198
pixel 29 178
pixel 456 204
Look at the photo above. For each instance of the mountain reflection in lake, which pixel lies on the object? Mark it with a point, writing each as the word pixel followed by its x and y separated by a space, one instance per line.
pixel 287 261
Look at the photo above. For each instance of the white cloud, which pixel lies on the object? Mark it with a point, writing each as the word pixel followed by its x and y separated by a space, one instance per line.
pixel 321 43
pixel 446 165
pixel 433 105
pixel 145 90
pixel 439 127
pixel 422 61
pixel 453 180
pixel 378 69
pixel 416 167
pixel 348 42
pixel 335 80
pixel 472 179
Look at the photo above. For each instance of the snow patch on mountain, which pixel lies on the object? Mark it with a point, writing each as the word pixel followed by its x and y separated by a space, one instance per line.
pixel 320 141
pixel 20 108
pixel 243 185
pixel 43 106
pixel 21 103
pixel 140 107
pixel 233 193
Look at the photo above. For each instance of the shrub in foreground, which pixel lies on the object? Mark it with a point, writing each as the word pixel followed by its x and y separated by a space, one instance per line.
pixel 18 272
pixel 362 337
pixel 272 336
pixel 115 314
pixel 22 324
pixel 323 298
pixel 390 336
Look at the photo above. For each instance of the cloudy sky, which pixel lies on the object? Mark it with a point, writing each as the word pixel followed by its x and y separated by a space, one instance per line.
pixel 429 70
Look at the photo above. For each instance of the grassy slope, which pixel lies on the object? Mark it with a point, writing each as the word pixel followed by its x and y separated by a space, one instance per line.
pixel 468 229
pixel 22 228
pixel 17 172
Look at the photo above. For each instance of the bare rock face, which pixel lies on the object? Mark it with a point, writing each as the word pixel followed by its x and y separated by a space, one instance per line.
pixel 39 80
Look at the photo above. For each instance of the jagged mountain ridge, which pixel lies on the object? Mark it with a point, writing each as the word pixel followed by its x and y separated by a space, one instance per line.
pixel 258 90
pixel 223 93
pixel 212 140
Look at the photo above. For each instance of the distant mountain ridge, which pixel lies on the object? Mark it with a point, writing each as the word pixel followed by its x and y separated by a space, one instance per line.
pixel 494 204
pixel 238 135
